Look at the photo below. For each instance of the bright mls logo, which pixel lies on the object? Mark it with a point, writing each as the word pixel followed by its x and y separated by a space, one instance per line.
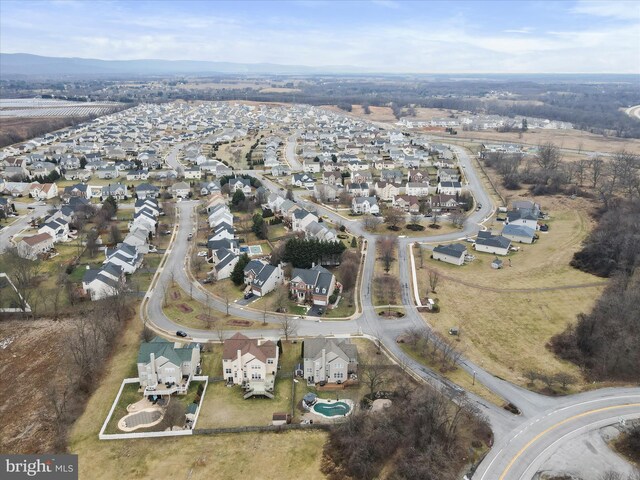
pixel 52 467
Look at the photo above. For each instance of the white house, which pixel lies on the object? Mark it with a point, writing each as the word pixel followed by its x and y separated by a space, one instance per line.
pixel 262 277
pixel 365 205
pixel 450 188
pixel 453 253
pixel 104 282
pixel 487 242
pixel 34 245
pixel 180 190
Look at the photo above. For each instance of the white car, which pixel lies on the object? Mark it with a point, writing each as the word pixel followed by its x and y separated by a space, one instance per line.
pixel 202 254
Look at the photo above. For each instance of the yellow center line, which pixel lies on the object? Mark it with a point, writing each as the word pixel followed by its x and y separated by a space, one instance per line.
pixel 553 427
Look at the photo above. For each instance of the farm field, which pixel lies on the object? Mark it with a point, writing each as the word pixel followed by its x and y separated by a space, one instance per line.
pixel 506 317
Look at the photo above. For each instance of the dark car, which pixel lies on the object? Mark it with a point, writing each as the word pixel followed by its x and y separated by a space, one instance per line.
pixel 190 236
pixel 182 334
pixel 207 280
pixel 248 295
pixel 544 228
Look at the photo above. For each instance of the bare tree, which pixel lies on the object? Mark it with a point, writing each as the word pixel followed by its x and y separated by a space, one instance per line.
pixel 388 246
pixel 23 273
pixel 434 278
pixel 415 219
pixel 280 298
pixel 288 326
pixel 375 376
pixel 597 169
pixel 457 219
pixel 370 223
pixel 393 218
pixel 174 414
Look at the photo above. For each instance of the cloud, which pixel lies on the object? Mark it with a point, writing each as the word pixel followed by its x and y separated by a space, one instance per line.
pixel 524 30
pixel 625 10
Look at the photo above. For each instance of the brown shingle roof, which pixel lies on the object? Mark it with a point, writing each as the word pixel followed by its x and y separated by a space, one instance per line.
pixel 247 345
pixel 36 239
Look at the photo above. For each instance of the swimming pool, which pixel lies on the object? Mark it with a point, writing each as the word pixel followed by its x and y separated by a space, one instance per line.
pixel 331 409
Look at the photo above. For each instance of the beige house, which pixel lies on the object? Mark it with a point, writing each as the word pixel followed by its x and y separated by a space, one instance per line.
pixel 31 247
pixel 329 360
pixel 252 363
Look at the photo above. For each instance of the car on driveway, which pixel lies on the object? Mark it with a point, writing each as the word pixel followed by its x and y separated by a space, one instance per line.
pixel 248 295
pixel 182 334
pixel 202 254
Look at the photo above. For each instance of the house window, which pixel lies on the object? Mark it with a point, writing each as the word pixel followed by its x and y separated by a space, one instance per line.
pixel 228 370
pixel 270 361
pixel 338 375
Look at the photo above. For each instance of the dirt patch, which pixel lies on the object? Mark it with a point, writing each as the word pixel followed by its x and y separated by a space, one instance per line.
pixel 32 362
pixel 239 323
pixel 175 295
pixel 185 308
pixel 206 318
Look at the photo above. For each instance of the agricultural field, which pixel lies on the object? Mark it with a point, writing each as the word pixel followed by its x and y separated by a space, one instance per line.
pixel 36 107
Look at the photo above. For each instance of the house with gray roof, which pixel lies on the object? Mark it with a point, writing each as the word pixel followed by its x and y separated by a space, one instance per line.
pixel 519 233
pixel 453 253
pixel 103 282
pixel 312 285
pixel 165 367
pixel 329 360
pixel 146 190
pixel 263 277
pixel 487 242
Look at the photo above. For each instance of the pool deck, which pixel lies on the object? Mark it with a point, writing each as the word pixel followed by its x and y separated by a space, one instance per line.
pixel 318 417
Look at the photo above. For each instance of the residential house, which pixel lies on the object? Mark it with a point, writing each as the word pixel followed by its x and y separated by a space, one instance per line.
pixel 358 189
pixel 165 367
pixel 43 191
pixel 115 190
pixel 124 256
pixel 33 246
pixel 386 191
pixel 365 205
pixel 280 170
pixel 58 229
pixel 332 178
pixel 302 180
pixel 326 193
pixel 519 233
pixel 453 253
pixel 252 363
pixel 408 203
pixel 104 282
pixel 487 242
pixel 329 360
pixel 146 190
pixel 450 188
pixel 311 166
pixel 314 285
pixel 180 190
pixel 240 183
pixel 192 173
pixel 417 189
pixel 263 277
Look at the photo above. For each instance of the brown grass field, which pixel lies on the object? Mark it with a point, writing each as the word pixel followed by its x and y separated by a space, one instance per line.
pixel 506 331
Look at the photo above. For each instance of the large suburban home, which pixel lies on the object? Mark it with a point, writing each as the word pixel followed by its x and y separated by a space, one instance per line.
pixel 34 245
pixel 358 189
pixel 146 190
pixel 252 363
pixel 332 178
pixel 453 253
pixel 180 190
pixel 329 360
pixel 365 205
pixel 43 191
pixel 408 203
pixel 57 228
pixel 311 166
pixel 417 189
pixel 280 170
pixel 519 233
pixel 487 242
pixel 103 282
pixel 386 191
pixel 314 285
pixel 164 367
pixel 224 262
pixel 193 173
pixel 124 256
pixel 262 277
pixel 115 190
pixel 302 180
pixel 240 183
pixel 450 188
pixel 78 190
pixel 301 218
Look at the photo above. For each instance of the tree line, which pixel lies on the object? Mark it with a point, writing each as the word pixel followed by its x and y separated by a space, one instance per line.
pixel 303 253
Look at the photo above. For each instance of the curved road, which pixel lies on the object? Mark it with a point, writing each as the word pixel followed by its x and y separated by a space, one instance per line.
pixel 519 440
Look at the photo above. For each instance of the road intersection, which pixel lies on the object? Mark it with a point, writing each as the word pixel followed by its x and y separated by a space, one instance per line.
pixel 522 442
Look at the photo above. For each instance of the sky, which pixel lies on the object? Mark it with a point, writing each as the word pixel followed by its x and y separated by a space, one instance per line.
pixel 386 36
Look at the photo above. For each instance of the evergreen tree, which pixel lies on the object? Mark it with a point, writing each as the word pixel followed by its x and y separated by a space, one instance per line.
pixel 238 198
pixel 237 276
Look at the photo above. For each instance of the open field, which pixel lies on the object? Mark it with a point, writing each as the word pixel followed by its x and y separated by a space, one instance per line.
pixel 25 408
pixel 506 317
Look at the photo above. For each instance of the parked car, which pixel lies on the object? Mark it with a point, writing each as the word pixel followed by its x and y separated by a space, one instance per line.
pixel 207 280
pixel 190 236
pixel 248 295
pixel 470 240
pixel 544 228
pixel 182 334
pixel 202 254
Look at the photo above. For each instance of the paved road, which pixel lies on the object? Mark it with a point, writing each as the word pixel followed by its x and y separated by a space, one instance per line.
pixel 633 112
pixel 20 223
pixel 522 442
pixel 525 450
pixel 290 153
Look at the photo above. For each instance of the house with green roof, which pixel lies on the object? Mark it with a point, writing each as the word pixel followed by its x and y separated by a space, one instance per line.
pixel 164 367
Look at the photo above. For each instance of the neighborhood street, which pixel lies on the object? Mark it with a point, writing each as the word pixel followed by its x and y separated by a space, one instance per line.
pixel 522 442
